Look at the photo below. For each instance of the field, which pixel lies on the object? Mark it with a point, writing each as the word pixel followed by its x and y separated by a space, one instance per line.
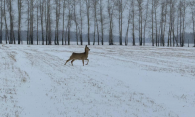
pixel 119 81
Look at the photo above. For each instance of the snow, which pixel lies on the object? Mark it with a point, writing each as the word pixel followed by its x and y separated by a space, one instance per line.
pixel 119 81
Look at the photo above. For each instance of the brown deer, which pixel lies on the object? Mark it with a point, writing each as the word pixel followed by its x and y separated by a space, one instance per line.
pixel 79 56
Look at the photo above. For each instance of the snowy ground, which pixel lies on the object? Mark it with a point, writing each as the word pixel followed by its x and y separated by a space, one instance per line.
pixel 119 82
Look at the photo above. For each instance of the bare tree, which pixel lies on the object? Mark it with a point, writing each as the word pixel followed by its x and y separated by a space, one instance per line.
pixel 41 16
pixel 69 19
pixel 75 2
pixel 177 28
pixel 95 3
pixel 81 21
pixel 180 16
pixel 140 7
pixel 31 21
pixel 37 5
pixel 66 33
pixel 145 21
pixel 171 34
pixel 110 9
pixel 165 21
pixel 152 22
pixel 133 21
pixel 129 21
pixel 19 20
pixel 192 8
pixel 156 3
pixel 48 22
pixel 163 5
pixel 1 22
pixel 28 21
pixel 5 19
pixel 102 22
pixel 183 17
pixel 63 15
pixel 120 8
pixel 57 11
pixel 127 32
pixel 182 8
pixel 173 20
pixel 12 38
pixel 87 3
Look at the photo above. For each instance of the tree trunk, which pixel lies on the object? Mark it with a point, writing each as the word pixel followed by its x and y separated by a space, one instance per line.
pixel 177 29
pixel 75 20
pixel 145 23
pixel 11 24
pixel 180 25
pixel 133 12
pixel 156 28
pixel 19 19
pixel 152 23
pixel 121 21
pixel 102 23
pixel 28 28
pixel 63 22
pixel 37 25
pixel 183 36
pixel 46 22
pixel 88 20
pixel 141 29
pixel 193 29
pixel 126 38
pixel 1 22
pixel 69 21
pixel 81 27
pixel 95 21
pixel 41 14
pixel 31 22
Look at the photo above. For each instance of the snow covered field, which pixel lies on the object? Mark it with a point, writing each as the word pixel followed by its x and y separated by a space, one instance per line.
pixel 119 81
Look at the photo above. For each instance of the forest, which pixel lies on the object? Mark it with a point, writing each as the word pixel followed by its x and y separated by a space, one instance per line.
pixel 123 22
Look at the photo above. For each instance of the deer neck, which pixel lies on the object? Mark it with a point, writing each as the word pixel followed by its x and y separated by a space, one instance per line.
pixel 86 53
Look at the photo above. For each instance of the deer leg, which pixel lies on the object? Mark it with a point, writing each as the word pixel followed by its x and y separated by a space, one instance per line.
pixel 83 62
pixel 67 61
pixel 87 61
pixel 72 62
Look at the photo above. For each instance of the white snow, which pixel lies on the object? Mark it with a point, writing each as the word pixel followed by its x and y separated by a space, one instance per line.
pixel 119 81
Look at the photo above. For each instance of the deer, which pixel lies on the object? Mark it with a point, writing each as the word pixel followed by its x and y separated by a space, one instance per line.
pixel 79 56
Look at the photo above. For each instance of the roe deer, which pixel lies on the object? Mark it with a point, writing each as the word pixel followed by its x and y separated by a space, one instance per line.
pixel 79 56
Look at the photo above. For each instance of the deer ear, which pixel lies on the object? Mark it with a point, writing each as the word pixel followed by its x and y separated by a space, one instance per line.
pixel 86 46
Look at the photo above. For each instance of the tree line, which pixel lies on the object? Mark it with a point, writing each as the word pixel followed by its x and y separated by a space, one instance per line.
pixel 163 21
